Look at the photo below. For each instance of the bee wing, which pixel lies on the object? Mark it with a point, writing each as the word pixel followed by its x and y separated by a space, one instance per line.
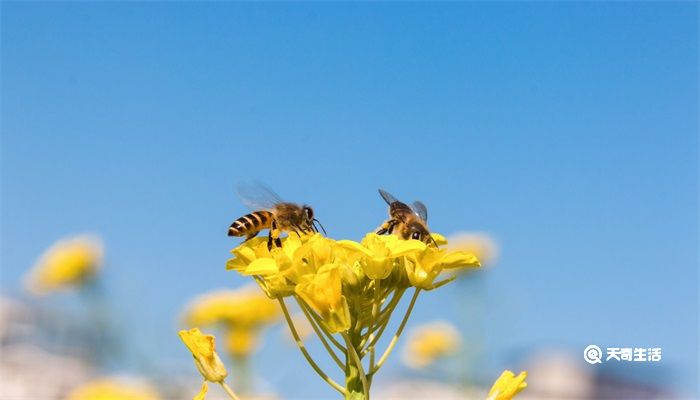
pixel 387 196
pixel 257 196
pixel 420 209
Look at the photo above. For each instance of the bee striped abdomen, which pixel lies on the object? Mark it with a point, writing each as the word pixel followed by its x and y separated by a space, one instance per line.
pixel 250 224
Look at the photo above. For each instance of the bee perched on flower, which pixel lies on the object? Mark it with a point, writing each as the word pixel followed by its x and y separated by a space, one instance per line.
pixel 348 291
pixel 407 222
pixel 272 213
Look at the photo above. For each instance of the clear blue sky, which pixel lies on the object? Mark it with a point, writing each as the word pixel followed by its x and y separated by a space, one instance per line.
pixel 567 131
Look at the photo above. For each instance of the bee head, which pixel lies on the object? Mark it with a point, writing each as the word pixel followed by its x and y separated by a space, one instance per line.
pixel 310 221
pixel 308 213
pixel 418 231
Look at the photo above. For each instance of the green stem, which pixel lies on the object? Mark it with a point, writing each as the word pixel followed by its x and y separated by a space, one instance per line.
pixel 319 323
pixel 356 381
pixel 395 339
pixel 321 335
pixel 306 354
pixel 228 390
pixel 382 324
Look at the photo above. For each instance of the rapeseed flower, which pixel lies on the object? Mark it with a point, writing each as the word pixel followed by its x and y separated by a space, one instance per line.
pixel 481 244
pixel 113 389
pixel 507 386
pixel 244 307
pixel 203 349
pixel 67 264
pixel 430 342
pixel 347 290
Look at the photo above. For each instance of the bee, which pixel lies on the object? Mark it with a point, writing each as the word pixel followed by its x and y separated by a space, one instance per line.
pixel 273 214
pixel 406 222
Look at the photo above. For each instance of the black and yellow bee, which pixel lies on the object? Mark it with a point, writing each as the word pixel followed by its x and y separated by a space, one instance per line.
pixel 406 222
pixel 271 213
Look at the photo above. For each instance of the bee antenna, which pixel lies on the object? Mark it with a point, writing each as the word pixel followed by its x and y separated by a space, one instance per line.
pixel 322 228
pixel 433 240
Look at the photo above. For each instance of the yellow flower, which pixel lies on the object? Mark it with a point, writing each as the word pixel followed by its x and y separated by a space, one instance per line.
pixel 378 253
pixel 241 341
pixel 323 292
pixel 67 264
pixel 244 307
pixel 507 386
pixel 113 389
pixel 203 350
pixel 422 268
pixel 480 244
pixel 431 342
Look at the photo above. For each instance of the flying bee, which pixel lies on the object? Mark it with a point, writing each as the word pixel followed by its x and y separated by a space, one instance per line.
pixel 406 222
pixel 273 214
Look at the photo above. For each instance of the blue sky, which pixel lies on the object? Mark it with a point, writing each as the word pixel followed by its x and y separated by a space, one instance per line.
pixel 567 131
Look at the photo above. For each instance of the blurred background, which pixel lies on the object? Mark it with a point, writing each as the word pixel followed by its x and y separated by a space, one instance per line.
pixel 559 140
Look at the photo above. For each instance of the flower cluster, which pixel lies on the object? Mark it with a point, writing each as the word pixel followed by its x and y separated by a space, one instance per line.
pixel 348 289
pixel 343 280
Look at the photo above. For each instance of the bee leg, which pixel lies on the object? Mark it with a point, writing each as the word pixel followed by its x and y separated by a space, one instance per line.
pixel 386 227
pixel 273 234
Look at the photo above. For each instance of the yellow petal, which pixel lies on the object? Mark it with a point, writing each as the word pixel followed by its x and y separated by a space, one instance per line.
pixel 439 239
pixel 404 247
pixel 354 246
pixel 507 386
pixel 262 266
pixel 202 392
pixel 459 259
pixel 245 253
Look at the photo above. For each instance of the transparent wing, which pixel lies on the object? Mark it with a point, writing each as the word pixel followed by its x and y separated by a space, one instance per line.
pixel 257 196
pixel 387 196
pixel 420 209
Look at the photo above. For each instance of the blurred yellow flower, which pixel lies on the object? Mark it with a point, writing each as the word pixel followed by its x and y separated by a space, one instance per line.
pixel 507 386
pixel 67 264
pixel 241 342
pixel 242 313
pixel 113 389
pixel 481 244
pixel 244 307
pixel 430 342
pixel 203 350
